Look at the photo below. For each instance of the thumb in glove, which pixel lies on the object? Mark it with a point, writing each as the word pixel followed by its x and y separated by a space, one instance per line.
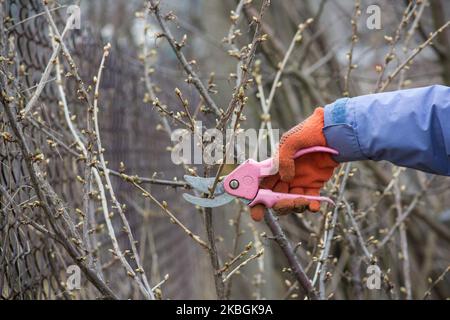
pixel 306 134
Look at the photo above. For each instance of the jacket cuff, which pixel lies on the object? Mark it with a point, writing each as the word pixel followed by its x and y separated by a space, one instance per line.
pixel 340 130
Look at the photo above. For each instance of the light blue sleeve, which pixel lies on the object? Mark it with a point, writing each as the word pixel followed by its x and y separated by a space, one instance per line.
pixel 410 128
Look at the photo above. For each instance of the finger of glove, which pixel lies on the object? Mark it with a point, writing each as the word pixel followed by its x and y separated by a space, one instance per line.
pixel 314 205
pixel 257 212
pixel 287 206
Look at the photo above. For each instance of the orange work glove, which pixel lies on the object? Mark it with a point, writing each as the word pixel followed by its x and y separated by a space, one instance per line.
pixel 304 175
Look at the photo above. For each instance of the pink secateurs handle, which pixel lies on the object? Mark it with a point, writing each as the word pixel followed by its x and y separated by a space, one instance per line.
pixel 250 173
pixel 269 198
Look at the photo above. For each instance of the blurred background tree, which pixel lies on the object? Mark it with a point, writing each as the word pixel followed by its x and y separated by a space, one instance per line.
pixel 336 54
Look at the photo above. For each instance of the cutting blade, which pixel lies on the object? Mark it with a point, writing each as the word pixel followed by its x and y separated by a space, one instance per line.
pixel 204 184
pixel 217 201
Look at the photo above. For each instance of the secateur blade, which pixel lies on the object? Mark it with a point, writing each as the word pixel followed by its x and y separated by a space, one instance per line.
pixel 217 201
pixel 204 184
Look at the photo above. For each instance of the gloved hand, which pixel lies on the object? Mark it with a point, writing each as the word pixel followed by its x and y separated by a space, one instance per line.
pixel 304 175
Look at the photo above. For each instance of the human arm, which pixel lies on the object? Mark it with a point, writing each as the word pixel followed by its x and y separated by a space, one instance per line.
pixel 409 128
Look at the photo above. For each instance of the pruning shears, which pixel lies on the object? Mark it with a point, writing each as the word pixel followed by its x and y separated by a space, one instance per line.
pixel 243 183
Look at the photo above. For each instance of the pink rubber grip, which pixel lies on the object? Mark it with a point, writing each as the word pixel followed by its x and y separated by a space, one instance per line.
pixel 249 174
pixel 268 198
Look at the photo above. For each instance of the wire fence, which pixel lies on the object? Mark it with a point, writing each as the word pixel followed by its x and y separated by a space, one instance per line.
pixel 386 216
pixel 33 266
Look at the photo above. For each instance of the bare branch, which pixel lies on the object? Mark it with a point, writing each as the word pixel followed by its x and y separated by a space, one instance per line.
pixel 243 263
pixel 288 251
pixel 193 77
pixel 354 40
pixel 163 206
pixel 48 68
pixel 410 58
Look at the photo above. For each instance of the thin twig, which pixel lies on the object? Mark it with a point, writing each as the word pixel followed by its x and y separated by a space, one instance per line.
pixel 292 258
pixel 295 40
pixel 267 104
pixel 238 98
pixel 185 104
pixel 159 284
pixel 403 217
pixel 237 234
pixel 174 219
pixel 101 188
pixel 32 17
pixel 409 59
pixel 39 185
pixel 140 269
pixel 193 77
pixel 243 263
pixel 357 229
pixel 403 242
pixel 243 253
pixel 354 40
pixel 89 243
pixel 439 279
pixel 330 232
pixel 235 19
pixel 48 69
pixel 66 53
pixel 407 13
pixel 409 36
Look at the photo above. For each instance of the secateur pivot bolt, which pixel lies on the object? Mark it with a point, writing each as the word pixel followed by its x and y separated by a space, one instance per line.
pixel 234 184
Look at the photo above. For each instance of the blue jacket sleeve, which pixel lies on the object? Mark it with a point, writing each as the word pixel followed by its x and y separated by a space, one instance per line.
pixel 410 128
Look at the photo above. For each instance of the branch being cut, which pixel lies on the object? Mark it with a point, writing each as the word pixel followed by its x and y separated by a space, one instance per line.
pixel 239 99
